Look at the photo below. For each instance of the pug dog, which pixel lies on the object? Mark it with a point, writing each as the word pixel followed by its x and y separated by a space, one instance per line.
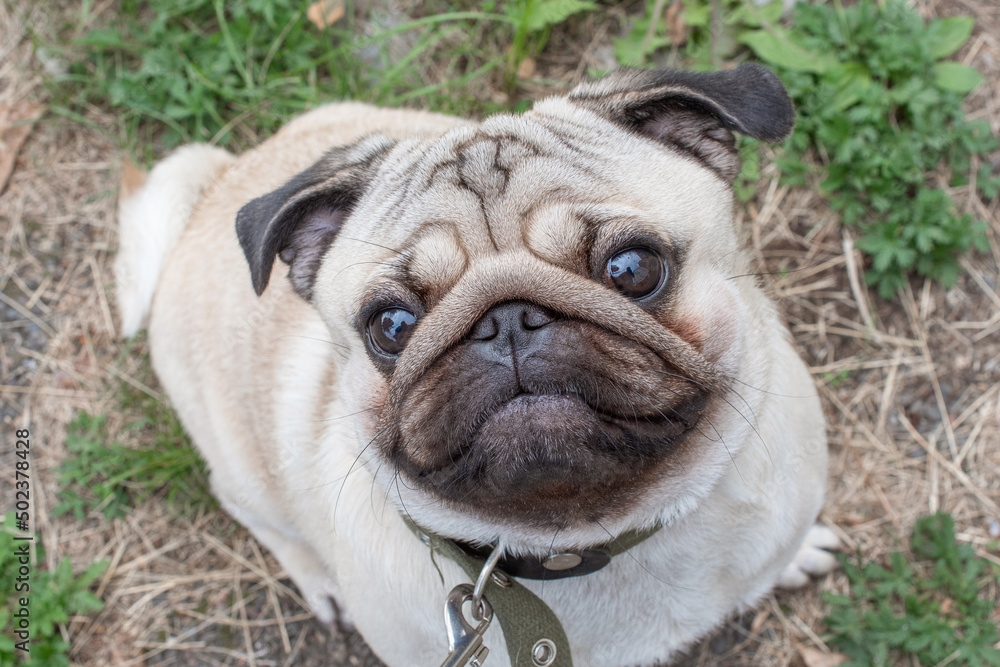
pixel 536 337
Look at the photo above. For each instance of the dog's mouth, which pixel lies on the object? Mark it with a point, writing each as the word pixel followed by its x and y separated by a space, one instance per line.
pixel 557 438
pixel 539 415
pixel 530 409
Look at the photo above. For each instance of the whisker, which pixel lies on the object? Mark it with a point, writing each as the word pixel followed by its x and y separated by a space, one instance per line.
pixel 702 433
pixel 404 482
pixel 371 493
pixel 336 504
pixel 351 266
pixel 755 427
pixel 372 243
pixel 765 391
pixel 320 340
pixel 333 419
pixel 784 272
pixel 402 504
pixel 388 489
pixel 722 396
pixel 552 546
pixel 696 427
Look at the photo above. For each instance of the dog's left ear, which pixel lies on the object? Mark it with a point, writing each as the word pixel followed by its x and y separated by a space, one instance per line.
pixel 298 221
pixel 695 112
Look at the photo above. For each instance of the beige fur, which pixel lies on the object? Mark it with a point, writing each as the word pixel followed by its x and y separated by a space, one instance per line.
pixel 283 401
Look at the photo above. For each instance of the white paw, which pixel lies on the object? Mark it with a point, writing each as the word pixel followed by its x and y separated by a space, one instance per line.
pixel 812 558
pixel 322 596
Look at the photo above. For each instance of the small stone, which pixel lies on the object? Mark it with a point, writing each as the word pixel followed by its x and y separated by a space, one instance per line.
pixel 526 69
pixel 53 64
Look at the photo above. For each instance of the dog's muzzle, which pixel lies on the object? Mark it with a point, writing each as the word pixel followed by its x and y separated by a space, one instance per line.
pixel 544 418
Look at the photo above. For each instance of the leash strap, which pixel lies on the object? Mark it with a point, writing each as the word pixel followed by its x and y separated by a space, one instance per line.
pixel 525 619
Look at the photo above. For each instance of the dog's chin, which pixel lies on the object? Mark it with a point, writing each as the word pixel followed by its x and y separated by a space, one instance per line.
pixel 553 460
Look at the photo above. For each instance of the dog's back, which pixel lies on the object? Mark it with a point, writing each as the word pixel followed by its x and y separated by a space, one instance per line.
pixel 152 213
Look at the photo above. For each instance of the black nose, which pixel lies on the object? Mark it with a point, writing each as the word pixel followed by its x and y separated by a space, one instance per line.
pixel 510 330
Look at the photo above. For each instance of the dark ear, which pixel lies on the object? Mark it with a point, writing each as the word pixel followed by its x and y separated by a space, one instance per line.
pixel 695 112
pixel 299 220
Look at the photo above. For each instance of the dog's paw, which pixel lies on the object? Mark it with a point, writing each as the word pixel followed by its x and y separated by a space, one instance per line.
pixel 813 558
pixel 322 595
pixel 319 591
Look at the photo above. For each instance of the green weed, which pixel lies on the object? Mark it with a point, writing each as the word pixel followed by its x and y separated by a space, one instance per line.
pixel 111 478
pixel 53 597
pixel 647 36
pixel 706 40
pixel 194 70
pixel 533 21
pixel 927 608
pixel 838 378
pixel 882 109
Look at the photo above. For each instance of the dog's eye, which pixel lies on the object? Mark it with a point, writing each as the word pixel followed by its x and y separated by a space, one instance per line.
pixel 636 272
pixel 390 329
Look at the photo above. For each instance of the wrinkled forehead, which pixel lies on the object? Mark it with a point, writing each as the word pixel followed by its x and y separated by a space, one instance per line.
pixel 552 183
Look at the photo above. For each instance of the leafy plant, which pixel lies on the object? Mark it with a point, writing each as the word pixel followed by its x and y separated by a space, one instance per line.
pixel 688 24
pixel 54 596
pixel 928 607
pixel 112 478
pixel 647 35
pixel 534 19
pixel 882 109
pixel 198 68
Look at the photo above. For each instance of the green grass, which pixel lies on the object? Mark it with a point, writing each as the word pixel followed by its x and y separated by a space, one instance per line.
pixel 54 597
pixel 177 71
pixel 98 475
pixel 930 606
pixel 533 21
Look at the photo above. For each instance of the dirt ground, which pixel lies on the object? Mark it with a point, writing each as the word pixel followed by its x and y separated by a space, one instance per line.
pixel 911 389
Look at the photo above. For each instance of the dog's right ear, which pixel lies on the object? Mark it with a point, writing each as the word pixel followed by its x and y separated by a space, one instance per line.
pixel 298 221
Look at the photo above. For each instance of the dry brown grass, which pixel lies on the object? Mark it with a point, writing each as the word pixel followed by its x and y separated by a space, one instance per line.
pixel 911 389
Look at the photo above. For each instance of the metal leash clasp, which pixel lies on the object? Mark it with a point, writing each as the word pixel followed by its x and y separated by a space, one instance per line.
pixel 465 641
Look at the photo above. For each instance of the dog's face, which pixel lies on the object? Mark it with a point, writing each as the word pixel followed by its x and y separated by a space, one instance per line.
pixel 539 313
